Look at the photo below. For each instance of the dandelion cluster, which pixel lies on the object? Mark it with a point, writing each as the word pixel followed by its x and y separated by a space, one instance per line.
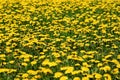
pixel 59 39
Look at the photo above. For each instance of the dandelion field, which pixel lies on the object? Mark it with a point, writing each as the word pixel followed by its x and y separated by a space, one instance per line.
pixel 59 40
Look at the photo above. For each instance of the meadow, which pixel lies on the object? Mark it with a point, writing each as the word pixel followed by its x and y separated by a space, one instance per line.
pixel 59 40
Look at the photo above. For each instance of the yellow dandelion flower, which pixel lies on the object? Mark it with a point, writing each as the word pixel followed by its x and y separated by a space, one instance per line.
pixel 25 75
pixel 56 54
pixel 87 44
pixel 118 65
pixel 85 78
pixel 64 78
pixel 90 76
pixel 107 68
pixel 46 70
pixel 58 74
pixel 58 61
pixel 80 59
pixel 86 69
pixel 4 63
pixel 76 72
pixel 103 31
pixel 69 57
pixel 77 64
pixel 52 64
pixel 118 56
pixel 35 57
pixel 11 62
pixel 107 77
pixel 33 78
pixel 107 56
pixel 35 18
pixel 98 76
pixel 4 70
pixel 37 76
pixel 32 72
pixel 86 20
pixel 1 6
pixel 85 56
pixel 8 49
pixel 115 71
pixel 34 62
pixel 85 64
pixel 26 59
pixel 45 50
pixel 114 46
pixel 69 70
pixel 45 62
pixel 42 53
pixel 23 3
pixel 64 68
pixel 3 58
pixel 2 55
pixel 76 78
pixel 82 51
pixel 81 44
pixel 11 70
pixel 24 64
pixel 115 61
pixel 99 64
pixel 42 57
